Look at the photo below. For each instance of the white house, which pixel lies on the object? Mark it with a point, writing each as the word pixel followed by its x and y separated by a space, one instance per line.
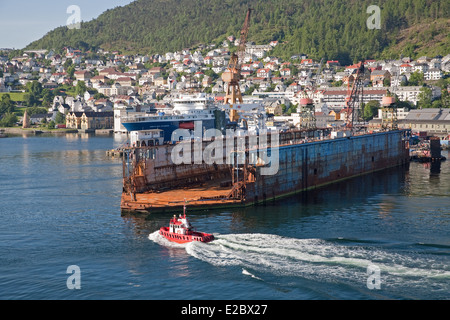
pixel 411 93
pixel 405 68
pixel 401 113
pixel 421 67
pixel 264 73
pixel 433 74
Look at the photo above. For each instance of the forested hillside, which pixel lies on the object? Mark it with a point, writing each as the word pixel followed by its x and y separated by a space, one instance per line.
pixel 321 28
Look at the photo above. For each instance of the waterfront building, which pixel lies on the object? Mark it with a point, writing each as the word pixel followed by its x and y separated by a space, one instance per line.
pixel 434 121
pixel 90 120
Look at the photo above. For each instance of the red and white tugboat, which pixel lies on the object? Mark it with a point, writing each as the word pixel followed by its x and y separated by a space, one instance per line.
pixel 181 231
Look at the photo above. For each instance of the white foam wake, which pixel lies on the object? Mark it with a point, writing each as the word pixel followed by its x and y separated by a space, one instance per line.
pixel 159 239
pixel 309 258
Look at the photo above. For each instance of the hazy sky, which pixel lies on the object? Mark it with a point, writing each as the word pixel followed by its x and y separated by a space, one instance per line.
pixel 23 21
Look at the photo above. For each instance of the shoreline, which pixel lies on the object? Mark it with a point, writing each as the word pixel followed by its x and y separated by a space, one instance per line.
pixel 36 131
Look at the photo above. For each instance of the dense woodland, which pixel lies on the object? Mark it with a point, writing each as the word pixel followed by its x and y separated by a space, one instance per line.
pixel 329 29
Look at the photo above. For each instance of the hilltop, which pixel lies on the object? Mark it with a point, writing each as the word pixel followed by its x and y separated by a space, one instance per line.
pixel 321 28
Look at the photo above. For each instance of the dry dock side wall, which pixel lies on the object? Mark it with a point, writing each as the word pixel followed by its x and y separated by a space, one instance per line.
pixel 314 164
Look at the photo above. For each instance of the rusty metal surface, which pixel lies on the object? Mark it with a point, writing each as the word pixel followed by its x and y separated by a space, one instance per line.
pixel 155 184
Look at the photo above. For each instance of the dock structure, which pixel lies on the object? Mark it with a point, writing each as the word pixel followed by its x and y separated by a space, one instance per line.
pixel 305 159
pixel 114 153
pixel 429 152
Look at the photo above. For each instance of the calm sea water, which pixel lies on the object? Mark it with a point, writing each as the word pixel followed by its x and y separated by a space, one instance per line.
pixel 380 236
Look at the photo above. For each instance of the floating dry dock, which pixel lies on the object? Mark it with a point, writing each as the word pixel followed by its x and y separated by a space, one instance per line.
pixel 305 159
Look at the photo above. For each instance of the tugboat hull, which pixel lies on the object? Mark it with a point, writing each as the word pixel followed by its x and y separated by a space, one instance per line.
pixel 185 238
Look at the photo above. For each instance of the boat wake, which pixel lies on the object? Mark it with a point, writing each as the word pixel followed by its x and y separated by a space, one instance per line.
pixel 259 255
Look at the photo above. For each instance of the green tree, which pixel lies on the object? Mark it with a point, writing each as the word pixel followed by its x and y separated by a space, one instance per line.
pixel 8 120
pixel 71 71
pixel 445 98
pixel 34 92
pixel 80 88
pixel 99 95
pixel 437 104
pixel 30 100
pixel 6 104
pixel 416 78
pixel 59 118
pixel 36 110
pixel 34 88
pixel 371 109
pixel 47 97
pixel 424 97
pixel 67 64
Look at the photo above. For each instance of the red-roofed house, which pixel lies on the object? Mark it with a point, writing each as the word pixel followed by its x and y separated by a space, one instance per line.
pixel 405 68
pixel 208 60
pixel 264 73
pixel 333 63
pixel 286 72
pixel 271 65
pixel 198 74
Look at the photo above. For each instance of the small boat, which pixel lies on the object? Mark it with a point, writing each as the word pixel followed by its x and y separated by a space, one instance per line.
pixel 181 231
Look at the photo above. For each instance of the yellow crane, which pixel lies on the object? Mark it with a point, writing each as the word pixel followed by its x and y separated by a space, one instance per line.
pixel 232 75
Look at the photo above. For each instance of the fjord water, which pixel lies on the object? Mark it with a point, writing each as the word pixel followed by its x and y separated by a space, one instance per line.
pixel 60 206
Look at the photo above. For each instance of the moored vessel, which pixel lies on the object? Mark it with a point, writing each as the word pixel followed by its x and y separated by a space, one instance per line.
pixel 192 112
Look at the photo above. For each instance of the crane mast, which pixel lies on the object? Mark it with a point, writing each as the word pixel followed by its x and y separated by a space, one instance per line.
pixel 232 75
pixel 354 92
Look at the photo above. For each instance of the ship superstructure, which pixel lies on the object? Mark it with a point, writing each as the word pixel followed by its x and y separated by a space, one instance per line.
pixel 192 112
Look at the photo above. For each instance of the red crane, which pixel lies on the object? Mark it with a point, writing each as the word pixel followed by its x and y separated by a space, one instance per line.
pixel 354 94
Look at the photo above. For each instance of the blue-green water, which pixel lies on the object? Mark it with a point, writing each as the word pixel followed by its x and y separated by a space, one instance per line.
pixel 60 206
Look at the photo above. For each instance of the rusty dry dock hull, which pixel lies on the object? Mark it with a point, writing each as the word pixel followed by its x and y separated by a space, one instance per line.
pixel 302 166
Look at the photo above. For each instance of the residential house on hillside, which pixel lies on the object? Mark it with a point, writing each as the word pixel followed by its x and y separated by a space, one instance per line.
pixel 405 68
pixel 264 73
pixel 258 50
pixel 333 63
pixel 433 74
pixel 398 79
pixel 99 79
pixel 378 76
pixel 285 72
pixel 107 71
pixel 411 93
pixel 335 97
pixel 82 75
pixel 125 81
pixel 421 67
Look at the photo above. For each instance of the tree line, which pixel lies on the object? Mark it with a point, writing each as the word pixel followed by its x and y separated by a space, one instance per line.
pixel 332 29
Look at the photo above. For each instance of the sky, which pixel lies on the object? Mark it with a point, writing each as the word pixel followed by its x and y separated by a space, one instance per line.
pixel 24 21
